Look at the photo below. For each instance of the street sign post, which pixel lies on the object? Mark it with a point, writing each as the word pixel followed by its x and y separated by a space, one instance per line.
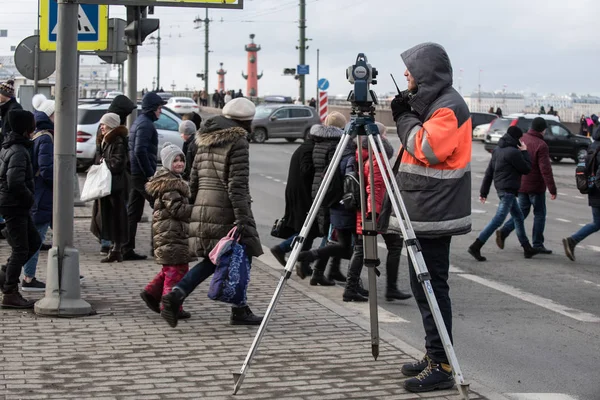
pixel 323 84
pixel 231 4
pixel 303 70
pixel 116 51
pixel 92 26
pixel 25 59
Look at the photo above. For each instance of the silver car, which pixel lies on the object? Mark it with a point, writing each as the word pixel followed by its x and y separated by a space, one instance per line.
pixel 286 121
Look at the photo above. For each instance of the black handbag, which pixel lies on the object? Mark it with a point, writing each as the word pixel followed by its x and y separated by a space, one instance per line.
pixel 280 230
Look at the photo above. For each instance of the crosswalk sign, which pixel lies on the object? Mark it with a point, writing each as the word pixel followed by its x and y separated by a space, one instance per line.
pixel 92 26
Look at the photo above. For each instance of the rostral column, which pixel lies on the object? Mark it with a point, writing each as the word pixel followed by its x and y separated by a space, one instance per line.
pixel 252 77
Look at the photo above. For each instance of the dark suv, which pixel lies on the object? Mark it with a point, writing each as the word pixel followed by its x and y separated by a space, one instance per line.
pixel 561 142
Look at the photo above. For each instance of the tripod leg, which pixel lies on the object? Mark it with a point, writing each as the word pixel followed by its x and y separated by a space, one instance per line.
pixel 414 251
pixel 238 378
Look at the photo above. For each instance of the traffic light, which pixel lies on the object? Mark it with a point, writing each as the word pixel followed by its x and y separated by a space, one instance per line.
pixel 289 71
pixel 201 76
pixel 137 31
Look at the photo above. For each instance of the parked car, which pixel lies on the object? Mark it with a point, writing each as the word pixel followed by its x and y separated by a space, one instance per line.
pixel 480 131
pixel 88 122
pixel 278 99
pixel 481 118
pixel 164 95
pixel 290 122
pixel 100 94
pixel 182 105
pixel 561 142
pixel 113 94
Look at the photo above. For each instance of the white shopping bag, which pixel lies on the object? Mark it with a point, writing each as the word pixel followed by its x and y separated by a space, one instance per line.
pixel 97 183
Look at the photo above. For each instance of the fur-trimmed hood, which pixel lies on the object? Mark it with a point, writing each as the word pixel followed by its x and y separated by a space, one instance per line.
pixel 218 132
pixel 112 135
pixel 166 181
pixel 322 132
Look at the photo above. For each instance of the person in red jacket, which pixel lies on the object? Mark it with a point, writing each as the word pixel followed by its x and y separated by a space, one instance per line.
pixel 533 187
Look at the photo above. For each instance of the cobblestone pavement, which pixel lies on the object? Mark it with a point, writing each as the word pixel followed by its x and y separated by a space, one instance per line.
pixel 126 351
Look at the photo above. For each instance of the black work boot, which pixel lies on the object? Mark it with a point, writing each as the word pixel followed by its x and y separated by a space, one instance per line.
pixel 303 269
pixel 172 303
pixel 334 270
pixel 152 302
pixel 569 245
pixel 529 251
pixel 244 316
pixel 436 376
pixel 361 289
pixel 278 254
pixel 13 299
pixel 500 238
pixel 319 278
pixel 352 290
pixel 133 256
pixel 475 250
pixel 183 315
pixel 392 293
pixel 414 369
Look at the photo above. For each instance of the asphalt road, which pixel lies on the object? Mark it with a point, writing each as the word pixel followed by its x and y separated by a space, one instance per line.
pixel 520 326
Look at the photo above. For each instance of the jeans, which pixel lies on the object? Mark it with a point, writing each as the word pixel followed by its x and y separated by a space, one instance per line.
pixel 105 243
pixel 135 208
pixel 508 204
pixel 198 274
pixel 538 201
pixel 436 253
pixel 25 241
pixel 589 228
pixel 30 267
pixel 286 245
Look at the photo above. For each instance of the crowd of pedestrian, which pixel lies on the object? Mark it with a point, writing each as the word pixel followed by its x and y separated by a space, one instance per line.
pixel 200 193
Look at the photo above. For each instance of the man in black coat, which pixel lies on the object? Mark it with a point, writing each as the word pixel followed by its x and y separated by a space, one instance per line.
pixel 143 156
pixel 8 103
pixel 298 201
pixel 510 161
pixel 16 200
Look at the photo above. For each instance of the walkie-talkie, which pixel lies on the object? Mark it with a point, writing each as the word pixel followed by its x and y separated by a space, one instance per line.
pixel 397 88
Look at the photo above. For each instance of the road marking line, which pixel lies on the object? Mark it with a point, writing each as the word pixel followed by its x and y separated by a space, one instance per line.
pixel 579 197
pixel 277 180
pixel 534 299
pixel 593 248
pixel 540 396
pixel 562 220
pixel 591 283
pixel 582 224
pixel 477 211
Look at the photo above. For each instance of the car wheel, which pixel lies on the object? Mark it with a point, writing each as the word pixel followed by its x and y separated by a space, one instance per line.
pixel 259 135
pixel 307 134
pixel 556 159
pixel 291 140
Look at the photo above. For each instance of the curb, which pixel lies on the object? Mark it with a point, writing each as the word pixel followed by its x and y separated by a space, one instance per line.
pixel 270 265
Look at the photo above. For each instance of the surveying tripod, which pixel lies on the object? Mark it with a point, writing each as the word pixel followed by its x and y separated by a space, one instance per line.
pixel 360 128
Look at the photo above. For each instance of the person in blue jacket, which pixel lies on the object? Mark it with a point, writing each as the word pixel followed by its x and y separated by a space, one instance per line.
pixel 43 172
pixel 143 149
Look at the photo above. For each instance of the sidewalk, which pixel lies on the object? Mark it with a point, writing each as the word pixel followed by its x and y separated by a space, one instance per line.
pixel 310 351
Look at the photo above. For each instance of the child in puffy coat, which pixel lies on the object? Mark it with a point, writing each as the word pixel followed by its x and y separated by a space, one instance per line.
pixel 170 226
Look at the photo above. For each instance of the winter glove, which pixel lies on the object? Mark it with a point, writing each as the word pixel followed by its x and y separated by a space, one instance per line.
pixel 400 106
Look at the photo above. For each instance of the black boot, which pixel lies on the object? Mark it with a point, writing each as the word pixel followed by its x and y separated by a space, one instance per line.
pixel 569 244
pixel 278 254
pixel 319 278
pixel 529 251
pixel 133 256
pixel 475 250
pixel 436 376
pixel 2 278
pixel 361 289
pixel 171 305
pixel 303 269
pixel 334 270
pixel 351 292
pixel 152 302
pixel 392 293
pixel 500 238
pixel 244 316
pixel 14 299
pixel 113 256
pixel 183 315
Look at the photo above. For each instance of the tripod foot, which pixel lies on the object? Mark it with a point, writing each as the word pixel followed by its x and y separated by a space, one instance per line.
pixel 375 351
pixel 463 389
pixel 237 380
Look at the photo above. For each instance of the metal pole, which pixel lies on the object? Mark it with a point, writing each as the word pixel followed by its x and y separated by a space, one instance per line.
pixel 318 76
pixel 302 78
pixel 132 62
pixel 36 68
pixel 158 61
pixel 63 292
pixel 206 51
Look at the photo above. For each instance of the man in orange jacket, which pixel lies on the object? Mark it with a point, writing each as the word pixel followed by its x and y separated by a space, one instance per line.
pixel 434 126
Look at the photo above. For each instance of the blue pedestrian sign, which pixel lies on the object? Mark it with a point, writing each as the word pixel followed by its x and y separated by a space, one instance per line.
pixel 323 84
pixel 303 70
pixel 92 26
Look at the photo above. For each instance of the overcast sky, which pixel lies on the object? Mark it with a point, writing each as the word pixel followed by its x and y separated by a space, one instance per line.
pixel 544 46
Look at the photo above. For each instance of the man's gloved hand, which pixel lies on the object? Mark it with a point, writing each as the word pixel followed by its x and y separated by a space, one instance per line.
pixel 399 106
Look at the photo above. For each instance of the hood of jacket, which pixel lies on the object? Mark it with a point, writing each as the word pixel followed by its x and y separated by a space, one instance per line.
pixel 42 122
pixel 507 141
pixel 322 132
pixel 387 146
pixel 15 138
pixel 430 65
pixel 122 106
pixel 151 102
pixel 219 131
pixel 119 131
pixel 166 181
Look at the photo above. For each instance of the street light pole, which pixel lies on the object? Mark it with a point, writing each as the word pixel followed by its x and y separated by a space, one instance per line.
pixel 206 51
pixel 158 61
pixel 302 78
